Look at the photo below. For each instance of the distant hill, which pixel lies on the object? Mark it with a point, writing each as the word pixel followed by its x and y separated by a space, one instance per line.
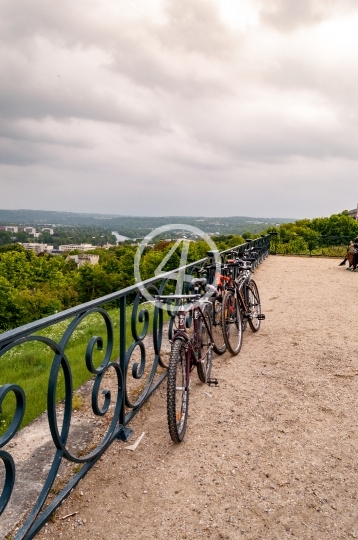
pixel 138 226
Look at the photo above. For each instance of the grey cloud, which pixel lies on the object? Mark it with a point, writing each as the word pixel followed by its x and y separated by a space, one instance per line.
pixel 195 35
pixel 159 74
pixel 38 133
pixel 142 53
pixel 24 150
pixel 332 86
pixel 275 134
pixel 288 15
pixel 84 105
pixel 278 143
pixel 28 91
pixel 66 21
pixel 22 153
pixel 12 153
pixel 195 26
pixel 293 73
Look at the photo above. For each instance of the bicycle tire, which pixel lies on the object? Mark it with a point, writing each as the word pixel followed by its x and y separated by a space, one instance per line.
pixel 231 323
pixel 205 349
pixel 217 329
pixel 254 305
pixel 177 392
pixel 241 306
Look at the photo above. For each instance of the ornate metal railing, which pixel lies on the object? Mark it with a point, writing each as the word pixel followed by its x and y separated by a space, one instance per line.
pixel 126 362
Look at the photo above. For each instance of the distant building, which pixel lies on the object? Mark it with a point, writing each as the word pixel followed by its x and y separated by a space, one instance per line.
pixel 38 248
pixel 30 230
pixel 74 247
pixel 11 228
pixel 84 258
pixel 48 230
pixel 354 213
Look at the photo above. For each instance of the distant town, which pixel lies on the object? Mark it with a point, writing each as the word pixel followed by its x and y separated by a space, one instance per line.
pixel 40 247
pixel 29 230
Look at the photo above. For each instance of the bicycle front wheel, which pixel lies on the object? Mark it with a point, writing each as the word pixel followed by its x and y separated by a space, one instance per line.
pixel 254 305
pixel 231 323
pixel 217 329
pixel 206 348
pixel 177 392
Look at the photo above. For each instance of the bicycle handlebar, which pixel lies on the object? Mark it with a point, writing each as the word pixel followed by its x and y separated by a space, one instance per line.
pixel 161 297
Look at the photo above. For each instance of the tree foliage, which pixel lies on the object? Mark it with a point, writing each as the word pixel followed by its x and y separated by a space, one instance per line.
pixel 307 235
pixel 35 286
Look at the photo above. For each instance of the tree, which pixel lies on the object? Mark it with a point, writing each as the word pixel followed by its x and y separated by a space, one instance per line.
pixel 11 247
pixel 9 312
pixel 35 304
pixel 16 268
pixel 298 245
pixel 336 228
pixel 312 238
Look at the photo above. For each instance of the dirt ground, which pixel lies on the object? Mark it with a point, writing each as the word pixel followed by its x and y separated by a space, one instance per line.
pixel 271 453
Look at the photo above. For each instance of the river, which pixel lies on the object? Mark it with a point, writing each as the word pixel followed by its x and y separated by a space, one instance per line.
pixel 120 237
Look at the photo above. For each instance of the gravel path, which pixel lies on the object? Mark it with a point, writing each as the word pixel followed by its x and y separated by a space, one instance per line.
pixel 269 454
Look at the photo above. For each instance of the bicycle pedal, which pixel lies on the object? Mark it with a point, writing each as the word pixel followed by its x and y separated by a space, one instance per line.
pixel 214 382
pixel 261 317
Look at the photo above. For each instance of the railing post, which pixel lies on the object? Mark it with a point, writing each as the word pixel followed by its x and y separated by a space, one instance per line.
pixel 125 433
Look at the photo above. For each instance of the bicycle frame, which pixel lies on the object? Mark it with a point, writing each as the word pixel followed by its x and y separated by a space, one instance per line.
pixel 192 344
pixel 238 285
pixel 241 289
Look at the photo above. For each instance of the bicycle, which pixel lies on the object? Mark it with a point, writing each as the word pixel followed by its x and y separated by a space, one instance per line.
pixel 241 305
pixel 222 280
pixel 187 352
pixel 210 271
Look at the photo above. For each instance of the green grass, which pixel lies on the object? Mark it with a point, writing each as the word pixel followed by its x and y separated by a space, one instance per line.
pixel 29 364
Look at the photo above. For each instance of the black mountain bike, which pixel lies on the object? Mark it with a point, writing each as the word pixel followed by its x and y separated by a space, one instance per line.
pixel 187 352
pixel 241 305
pixel 216 293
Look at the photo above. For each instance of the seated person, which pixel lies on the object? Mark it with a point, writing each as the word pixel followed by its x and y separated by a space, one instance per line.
pixel 349 255
pixel 355 254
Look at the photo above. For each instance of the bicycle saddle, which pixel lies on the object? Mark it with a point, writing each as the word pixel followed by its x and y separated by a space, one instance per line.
pixel 198 282
pixel 212 290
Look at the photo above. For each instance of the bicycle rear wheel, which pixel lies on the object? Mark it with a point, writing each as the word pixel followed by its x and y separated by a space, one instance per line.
pixel 205 349
pixel 177 392
pixel 231 323
pixel 254 305
pixel 217 329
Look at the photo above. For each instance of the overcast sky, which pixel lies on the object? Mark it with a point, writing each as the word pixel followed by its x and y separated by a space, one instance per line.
pixel 179 107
